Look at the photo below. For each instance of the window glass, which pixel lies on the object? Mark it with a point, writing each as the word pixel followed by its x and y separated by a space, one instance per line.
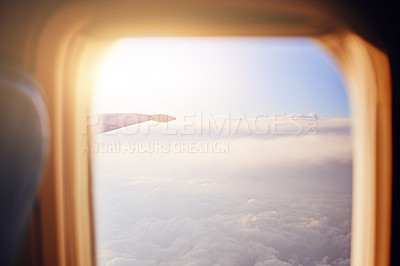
pixel 226 151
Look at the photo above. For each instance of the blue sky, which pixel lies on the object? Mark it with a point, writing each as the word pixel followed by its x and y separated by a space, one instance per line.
pixel 254 76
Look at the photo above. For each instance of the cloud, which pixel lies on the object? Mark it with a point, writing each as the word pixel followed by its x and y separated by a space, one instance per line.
pixel 278 200
pixel 122 262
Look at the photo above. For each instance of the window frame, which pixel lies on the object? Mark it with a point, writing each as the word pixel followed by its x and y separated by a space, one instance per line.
pixel 70 45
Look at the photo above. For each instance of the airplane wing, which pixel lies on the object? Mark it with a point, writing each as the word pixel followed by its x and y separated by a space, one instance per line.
pixel 107 122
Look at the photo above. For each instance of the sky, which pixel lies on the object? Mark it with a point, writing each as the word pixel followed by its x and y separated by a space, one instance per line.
pixel 254 180
pixel 220 75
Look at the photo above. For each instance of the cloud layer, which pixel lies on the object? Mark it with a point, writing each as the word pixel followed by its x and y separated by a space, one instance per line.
pixel 269 200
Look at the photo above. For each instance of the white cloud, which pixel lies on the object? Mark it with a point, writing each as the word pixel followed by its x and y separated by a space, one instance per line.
pixel 281 200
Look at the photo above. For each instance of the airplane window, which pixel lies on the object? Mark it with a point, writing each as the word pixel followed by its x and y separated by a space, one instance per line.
pixel 221 151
